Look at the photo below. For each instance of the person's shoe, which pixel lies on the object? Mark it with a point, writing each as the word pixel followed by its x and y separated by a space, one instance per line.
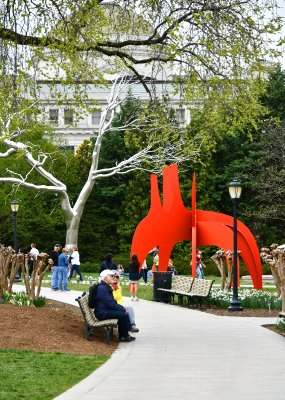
pixel 127 339
pixel 132 298
pixel 54 288
pixel 134 329
pixel 66 290
pixel 136 299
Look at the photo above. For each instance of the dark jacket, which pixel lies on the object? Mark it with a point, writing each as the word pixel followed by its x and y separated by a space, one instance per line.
pixel 105 301
pixel 108 264
pixel 54 256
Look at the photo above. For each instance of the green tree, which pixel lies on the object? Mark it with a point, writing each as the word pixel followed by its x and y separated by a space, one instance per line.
pixel 274 95
pixel 202 39
pixel 254 153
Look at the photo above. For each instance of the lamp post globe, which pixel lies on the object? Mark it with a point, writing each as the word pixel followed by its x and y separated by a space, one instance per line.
pixel 235 189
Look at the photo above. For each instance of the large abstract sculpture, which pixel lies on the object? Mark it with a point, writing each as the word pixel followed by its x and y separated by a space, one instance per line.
pixel 170 222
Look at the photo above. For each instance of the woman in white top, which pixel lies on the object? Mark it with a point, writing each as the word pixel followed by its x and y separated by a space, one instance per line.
pixel 144 271
pixel 34 252
pixel 75 263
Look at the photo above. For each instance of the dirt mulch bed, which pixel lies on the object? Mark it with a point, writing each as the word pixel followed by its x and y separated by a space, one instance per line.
pixel 56 327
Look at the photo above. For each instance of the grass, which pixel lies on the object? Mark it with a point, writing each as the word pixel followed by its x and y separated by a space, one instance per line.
pixel 29 375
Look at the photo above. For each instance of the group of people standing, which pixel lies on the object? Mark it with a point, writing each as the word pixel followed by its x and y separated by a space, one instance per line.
pixel 64 266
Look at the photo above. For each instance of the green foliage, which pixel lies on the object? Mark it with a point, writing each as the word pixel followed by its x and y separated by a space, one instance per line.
pixel 89 266
pixel 280 324
pixel 17 298
pixel 32 369
pixel 39 301
pixel 250 149
pixel 274 95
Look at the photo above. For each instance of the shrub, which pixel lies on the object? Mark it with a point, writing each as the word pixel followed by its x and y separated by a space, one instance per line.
pixel 20 299
pixel 90 267
pixel 39 301
pixel 281 324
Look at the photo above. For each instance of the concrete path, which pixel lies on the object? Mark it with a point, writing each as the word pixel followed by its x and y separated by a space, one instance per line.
pixel 187 354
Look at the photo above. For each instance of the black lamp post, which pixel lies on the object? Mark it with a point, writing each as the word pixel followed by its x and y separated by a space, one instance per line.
pixel 235 189
pixel 15 207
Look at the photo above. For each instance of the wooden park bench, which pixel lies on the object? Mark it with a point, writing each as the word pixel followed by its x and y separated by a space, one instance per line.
pixel 200 292
pixel 91 322
pixel 179 284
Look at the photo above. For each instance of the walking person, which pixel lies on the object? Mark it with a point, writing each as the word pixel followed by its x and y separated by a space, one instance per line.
pixel 33 254
pixel 134 276
pixel 63 270
pixel 75 263
pixel 108 308
pixel 54 274
pixel 199 265
pixel 144 272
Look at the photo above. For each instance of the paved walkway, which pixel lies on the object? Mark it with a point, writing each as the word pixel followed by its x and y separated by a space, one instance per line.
pixel 187 354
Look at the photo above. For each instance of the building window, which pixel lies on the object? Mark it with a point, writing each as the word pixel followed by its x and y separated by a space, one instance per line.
pixel 53 115
pixel 180 115
pixel 96 116
pixel 68 116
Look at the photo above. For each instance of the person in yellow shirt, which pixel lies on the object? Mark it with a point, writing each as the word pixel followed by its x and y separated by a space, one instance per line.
pixel 118 296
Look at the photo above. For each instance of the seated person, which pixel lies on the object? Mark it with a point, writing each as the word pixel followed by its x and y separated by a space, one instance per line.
pixel 117 293
pixel 108 308
pixel 121 269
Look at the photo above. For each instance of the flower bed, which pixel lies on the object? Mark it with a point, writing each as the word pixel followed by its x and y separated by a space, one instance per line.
pixel 250 298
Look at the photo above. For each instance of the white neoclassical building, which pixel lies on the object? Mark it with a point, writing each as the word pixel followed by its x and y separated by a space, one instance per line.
pixel 73 127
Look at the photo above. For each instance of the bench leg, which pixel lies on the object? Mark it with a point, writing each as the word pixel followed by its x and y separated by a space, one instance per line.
pixel 180 299
pixel 88 332
pixel 109 334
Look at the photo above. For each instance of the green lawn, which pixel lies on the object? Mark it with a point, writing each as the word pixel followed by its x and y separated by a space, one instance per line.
pixel 29 375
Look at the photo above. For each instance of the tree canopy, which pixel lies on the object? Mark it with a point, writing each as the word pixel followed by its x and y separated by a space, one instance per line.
pixel 200 39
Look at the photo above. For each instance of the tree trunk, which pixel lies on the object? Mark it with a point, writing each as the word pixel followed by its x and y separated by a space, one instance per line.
pixel 72 227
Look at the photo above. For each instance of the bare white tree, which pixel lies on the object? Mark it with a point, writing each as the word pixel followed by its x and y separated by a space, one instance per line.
pixel 155 154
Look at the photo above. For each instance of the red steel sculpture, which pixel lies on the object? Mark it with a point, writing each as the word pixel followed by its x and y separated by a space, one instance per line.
pixel 171 222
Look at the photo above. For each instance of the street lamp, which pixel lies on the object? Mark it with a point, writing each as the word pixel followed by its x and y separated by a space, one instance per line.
pixel 235 189
pixel 15 207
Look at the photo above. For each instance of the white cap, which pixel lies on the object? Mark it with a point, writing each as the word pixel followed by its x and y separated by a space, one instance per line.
pixel 105 273
pixel 114 272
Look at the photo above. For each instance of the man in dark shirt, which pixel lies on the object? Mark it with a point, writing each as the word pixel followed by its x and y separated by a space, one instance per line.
pixel 54 275
pixel 108 308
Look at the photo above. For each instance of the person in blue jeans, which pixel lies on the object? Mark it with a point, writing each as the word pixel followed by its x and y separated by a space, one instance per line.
pixel 75 263
pixel 63 270
pixel 54 274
